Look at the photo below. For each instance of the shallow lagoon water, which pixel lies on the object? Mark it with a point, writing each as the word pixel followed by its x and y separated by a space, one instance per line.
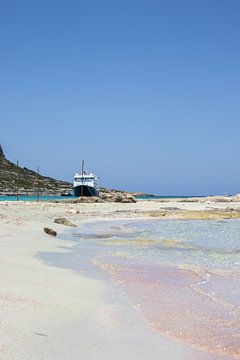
pixel 183 276
pixel 34 198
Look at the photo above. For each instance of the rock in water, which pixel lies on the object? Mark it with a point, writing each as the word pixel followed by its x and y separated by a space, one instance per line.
pixel 50 231
pixel 64 221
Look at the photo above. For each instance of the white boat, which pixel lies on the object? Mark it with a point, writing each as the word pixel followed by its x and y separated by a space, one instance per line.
pixel 85 184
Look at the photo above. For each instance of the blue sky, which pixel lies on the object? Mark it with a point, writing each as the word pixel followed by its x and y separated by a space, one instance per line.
pixel 147 92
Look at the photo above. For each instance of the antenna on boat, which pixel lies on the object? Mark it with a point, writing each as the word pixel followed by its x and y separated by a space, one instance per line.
pixel 82 179
pixel 17 180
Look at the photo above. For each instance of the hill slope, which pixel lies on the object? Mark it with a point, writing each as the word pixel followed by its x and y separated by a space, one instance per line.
pixel 27 181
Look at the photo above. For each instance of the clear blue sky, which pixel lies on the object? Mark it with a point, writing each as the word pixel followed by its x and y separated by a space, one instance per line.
pixel 147 92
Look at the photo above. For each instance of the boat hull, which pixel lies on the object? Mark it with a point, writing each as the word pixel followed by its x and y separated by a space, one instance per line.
pixel 83 190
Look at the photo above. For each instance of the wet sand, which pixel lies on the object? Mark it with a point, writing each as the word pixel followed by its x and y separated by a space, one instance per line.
pixel 173 302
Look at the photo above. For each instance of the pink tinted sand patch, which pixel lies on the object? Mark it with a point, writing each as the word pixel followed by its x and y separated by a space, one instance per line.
pixel 175 303
pixel 108 317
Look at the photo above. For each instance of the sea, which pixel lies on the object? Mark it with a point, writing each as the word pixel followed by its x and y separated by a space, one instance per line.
pixel 54 198
pixel 183 276
pixel 34 198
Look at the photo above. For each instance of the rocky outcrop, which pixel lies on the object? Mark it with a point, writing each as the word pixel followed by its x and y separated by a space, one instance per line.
pixel 64 221
pixel 108 196
pixel 50 231
pixel 90 199
pixel 117 196
pixel 215 214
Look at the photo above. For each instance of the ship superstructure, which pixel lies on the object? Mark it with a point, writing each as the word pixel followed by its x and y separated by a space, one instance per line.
pixel 85 184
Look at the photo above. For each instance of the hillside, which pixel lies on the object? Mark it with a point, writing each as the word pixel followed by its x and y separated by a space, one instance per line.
pixel 27 181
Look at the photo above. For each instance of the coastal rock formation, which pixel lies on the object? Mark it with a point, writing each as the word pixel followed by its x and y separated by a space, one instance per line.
pixel 89 199
pixel 117 196
pixel 50 231
pixel 215 214
pixel 64 221
pixel 125 199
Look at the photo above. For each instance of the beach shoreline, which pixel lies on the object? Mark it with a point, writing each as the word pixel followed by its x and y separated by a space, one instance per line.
pixel 57 313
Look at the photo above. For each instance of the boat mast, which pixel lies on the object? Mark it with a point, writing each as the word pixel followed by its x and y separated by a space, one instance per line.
pixel 82 179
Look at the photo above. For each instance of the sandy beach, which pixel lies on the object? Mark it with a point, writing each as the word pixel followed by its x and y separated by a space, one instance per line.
pixel 49 312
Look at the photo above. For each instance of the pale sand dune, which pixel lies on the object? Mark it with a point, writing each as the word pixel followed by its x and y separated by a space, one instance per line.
pixel 52 313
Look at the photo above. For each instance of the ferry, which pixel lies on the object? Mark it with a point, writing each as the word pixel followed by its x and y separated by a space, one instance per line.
pixel 85 184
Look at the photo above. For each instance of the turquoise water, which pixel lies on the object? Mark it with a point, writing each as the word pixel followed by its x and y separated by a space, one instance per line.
pixel 207 245
pixel 34 198
pixel 48 198
pixel 155 197
pixel 183 276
